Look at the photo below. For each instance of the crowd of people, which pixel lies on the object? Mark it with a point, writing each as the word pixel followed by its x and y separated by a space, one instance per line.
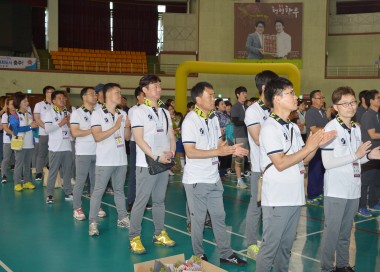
pixel 271 138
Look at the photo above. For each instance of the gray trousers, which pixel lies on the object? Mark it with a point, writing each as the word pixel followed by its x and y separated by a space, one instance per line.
pixel 35 155
pixel 203 197
pixel 188 218
pixel 73 171
pixel 85 166
pixel 57 160
pixel 7 158
pixel 253 212
pixel 147 185
pixel 22 166
pixel 43 152
pixel 102 176
pixel 339 216
pixel 279 232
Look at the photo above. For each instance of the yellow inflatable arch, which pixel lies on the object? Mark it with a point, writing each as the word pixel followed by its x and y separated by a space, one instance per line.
pixel 187 67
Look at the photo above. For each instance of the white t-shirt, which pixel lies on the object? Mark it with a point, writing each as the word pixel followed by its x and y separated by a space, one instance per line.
pixel 110 151
pixel 42 108
pixel 25 120
pixel 285 188
pixel 59 139
pixel 205 137
pixel 83 145
pixel 4 121
pixel 341 182
pixel 255 115
pixel 155 131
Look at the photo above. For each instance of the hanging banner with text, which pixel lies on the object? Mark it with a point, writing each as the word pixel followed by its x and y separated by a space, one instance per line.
pixel 268 33
pixel 18 63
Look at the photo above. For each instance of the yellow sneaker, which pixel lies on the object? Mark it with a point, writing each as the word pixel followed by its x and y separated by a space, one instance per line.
pixel 163 239
pixel 18 187
pixel 136 246
pixel 28 185
pixel 252 251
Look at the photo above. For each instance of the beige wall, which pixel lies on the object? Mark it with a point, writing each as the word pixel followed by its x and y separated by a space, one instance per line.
pixel 216 19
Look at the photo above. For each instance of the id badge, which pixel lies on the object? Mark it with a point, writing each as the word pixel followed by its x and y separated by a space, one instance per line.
pixel 301 167
pixel 214 161
pixel 356 168
pixel 65 134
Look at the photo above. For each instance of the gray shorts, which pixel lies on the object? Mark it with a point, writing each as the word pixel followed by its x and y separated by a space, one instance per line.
pixel 245 144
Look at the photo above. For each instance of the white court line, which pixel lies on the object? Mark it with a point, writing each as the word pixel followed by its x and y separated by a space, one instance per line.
pixel 6 268
pixel 365 220
pixel 309 234
pixel 306 257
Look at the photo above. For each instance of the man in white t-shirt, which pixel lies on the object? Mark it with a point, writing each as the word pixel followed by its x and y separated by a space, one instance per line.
pixel 342 159
pixel 255 116
pixel 85 150
pixel 57 126
pixel 110 128
pixel 40 109
pixel 202 140
pixel 154 136
pixel 282 158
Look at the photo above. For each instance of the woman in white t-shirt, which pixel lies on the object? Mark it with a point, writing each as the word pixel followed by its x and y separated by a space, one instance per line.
pixel 7 135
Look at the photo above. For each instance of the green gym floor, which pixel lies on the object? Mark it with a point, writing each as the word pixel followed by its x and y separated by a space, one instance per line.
pixel 35 236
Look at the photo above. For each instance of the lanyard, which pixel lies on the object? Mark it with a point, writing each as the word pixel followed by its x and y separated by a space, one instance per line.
pixel 211 139
pixel 348 131
pixel 262 105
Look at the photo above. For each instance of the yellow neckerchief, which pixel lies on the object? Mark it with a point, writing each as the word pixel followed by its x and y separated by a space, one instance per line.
pixel 86 110
pixel 149 103
pixel 262 105
pixel 104 108
pixel 201 114
pixel 340 121
pixel 279 120
pixel 57 110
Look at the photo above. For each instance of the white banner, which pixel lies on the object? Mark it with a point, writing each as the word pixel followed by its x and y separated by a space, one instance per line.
pixel 18 63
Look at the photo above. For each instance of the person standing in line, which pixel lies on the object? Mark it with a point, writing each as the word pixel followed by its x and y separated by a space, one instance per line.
pixel 57 126
pixel 342 159
pixel 282 157
pixel 22 125
pixel 110 128
pixel 203 144
pixel 362 107
pixel 85 150
pixel 240 130
pixel 370 128
pixel 255 117
pixel 154 136
pixel 40 110
pixel 8 153
pixel 139 94
pixel 316 119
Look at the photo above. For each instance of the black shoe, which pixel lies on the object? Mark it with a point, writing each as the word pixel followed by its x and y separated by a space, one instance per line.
pixel 188 226
pixel 4 179
pixel 148 207
pixel 38 176
pixel 233 259
pixel 344 269
pixel 208 224
pixel 203 257
pixel 130 205
pixel 50 200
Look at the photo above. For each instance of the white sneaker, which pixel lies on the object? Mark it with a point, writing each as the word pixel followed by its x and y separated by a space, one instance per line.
pixel 79 215
pixel 241 184
pixel 101 213
pixel 123 223
pixel 93 229
pixel 73 181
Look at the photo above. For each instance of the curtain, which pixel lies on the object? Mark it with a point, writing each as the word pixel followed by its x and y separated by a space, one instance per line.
pixel 38 27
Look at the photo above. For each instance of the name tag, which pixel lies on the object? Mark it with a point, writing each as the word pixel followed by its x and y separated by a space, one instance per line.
pixel 160 130
pixel 356 167
pixel 301 167
pixel 65 134
pixel 119 142
pixel 214 161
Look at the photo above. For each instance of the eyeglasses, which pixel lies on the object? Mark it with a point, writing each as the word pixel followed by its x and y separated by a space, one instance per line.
pixel 292 93
pixel 351 104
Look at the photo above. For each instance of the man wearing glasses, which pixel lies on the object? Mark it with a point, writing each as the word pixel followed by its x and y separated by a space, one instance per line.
pixel 316 119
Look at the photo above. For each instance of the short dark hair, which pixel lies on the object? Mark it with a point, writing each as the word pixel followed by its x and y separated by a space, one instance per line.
pixel 138 91
pixel 239 90
pixel 312 94
pixel 18 97
pixel 370 95
pixel 217 101
pixel 84 91
pixel 228 103
pixel 148 79
pixel 190 105
pixel 55 93
pixel 197 90
pixel 46 88
pixel 108 87
pixel 260 22
pixel 339 92
pixel 261 79
pixel 275 87
pixel 361 96
pixel 279 21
